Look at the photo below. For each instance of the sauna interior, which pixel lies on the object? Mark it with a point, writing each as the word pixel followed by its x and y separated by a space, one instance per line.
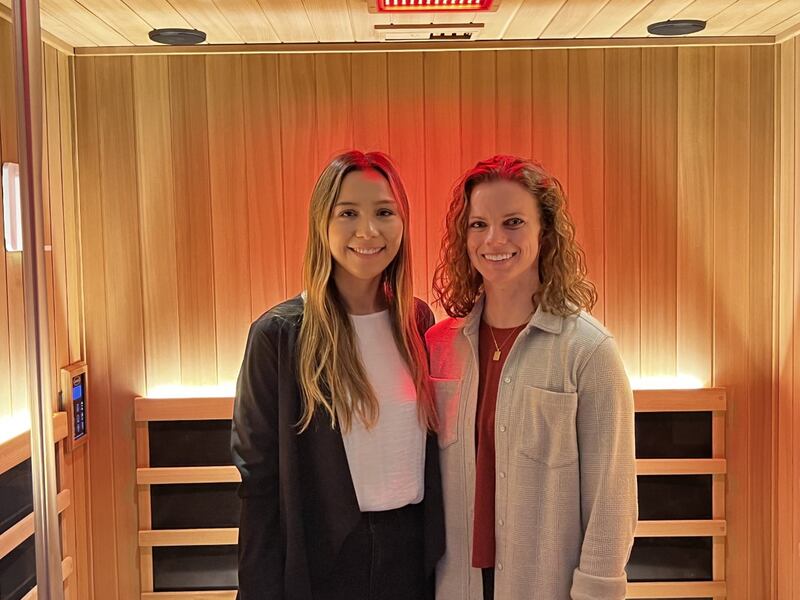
pixel 174 191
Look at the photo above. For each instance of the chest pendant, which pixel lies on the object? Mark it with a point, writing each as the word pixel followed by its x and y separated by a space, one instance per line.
pixel 496 355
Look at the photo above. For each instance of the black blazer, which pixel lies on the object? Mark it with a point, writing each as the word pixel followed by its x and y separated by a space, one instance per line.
pixel 298 500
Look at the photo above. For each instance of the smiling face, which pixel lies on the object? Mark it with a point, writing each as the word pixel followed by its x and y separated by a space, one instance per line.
pixel 503 233
pixel 365 229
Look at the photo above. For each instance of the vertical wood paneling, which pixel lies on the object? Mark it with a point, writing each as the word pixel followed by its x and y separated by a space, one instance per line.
pixel 659 237
pixel 514 103
pixel 731 278
pixel 301 165
pixel 586 161
pixel 76 461
pixel 334 104
pixel 157 213
pixel 665 153
pixel 786 530
pixel 57 291
pixel 442 128
pixel 695 127
pixel 478 107
pixel 264 182
pixel 116 133
pixel 552 111
pixel 760 317
pixel 102 510
pixel 622 214
pixel 193 238
pixel 7 146
pixel 15 305
pixel 71 217
pixel 229 211
pixel 62 278
pixel 370 102
pixel 407 148
pixel 795 323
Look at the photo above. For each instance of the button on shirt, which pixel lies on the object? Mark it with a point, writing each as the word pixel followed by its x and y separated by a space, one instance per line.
pixel 483 540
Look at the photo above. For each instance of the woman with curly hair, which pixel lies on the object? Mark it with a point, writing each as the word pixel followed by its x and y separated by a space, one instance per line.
pixel 535 410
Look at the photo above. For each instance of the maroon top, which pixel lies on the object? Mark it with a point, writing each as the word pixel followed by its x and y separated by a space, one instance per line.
pixel 483 543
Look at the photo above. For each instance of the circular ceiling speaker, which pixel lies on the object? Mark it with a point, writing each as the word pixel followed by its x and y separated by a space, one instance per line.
pixel 676 27
pixel 175 36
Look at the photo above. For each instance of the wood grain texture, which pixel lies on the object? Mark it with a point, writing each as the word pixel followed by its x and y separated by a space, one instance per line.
pixel 659 223
pixel 586 162
pixel 264 182
pixel 193 236
pixel 405 86
pixel 695 193
pixel 552 111
pixel 120 226
pixel 478 106
pixel 667 163
pixel 622 216
pixel 370 101
pixel 514 103
pixel 100 450
pixel 301 161
pixel 442 125
pixel 786 526
pixel 229 211
pixel 760 317
pixel 334 104
pixel 156 187
pixel 731 278
pixel 88 23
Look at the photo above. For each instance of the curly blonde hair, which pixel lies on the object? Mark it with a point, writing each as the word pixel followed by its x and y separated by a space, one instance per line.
pixel 563 286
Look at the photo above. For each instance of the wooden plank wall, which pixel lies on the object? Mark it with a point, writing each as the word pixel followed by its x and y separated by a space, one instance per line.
pixel 63 274
pixel 196 173
pixel 786 536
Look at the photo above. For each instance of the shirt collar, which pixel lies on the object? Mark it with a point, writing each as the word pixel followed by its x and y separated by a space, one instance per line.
pixel 541 319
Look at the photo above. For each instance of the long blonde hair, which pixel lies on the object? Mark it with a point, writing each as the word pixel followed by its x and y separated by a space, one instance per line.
pixel 564 288
pixel 330 372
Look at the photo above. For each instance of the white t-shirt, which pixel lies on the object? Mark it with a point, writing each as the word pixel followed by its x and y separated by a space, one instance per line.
pixel 387 462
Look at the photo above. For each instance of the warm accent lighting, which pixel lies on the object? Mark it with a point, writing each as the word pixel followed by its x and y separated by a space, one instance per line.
pixel 12 207
pixel 13 425
pixel 666 382
pixel 433 5
pixel 224 390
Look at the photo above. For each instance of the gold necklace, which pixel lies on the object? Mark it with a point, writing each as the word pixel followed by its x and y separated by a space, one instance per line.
pixel 498 348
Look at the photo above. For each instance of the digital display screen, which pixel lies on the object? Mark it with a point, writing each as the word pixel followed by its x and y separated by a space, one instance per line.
pixel 78 407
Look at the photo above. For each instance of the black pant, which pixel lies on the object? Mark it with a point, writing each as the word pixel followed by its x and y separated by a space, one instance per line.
pixel 488 583
pixel 382 559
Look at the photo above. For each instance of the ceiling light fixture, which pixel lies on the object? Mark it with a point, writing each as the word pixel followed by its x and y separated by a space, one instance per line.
pixel 676 27
pixel 175 36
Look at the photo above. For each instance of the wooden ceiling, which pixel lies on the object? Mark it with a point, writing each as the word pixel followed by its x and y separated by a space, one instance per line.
pixel 99 23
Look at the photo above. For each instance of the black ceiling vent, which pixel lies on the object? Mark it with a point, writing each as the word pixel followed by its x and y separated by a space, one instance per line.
pixel 676 27
pixel 178 37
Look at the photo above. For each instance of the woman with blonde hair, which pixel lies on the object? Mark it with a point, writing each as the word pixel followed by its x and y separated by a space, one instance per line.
pixel 333 419
pixel 535 411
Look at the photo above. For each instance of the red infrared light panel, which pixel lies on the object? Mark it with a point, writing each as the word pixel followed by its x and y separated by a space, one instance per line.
pixel 432 5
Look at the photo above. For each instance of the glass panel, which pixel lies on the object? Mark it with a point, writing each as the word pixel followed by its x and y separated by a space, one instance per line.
pixel 674 497
pixel 192 506
pixel 16 495
pixel 670 559
pixel 673 435
pixel 18 571
pixel 195 568
pixel 190 443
